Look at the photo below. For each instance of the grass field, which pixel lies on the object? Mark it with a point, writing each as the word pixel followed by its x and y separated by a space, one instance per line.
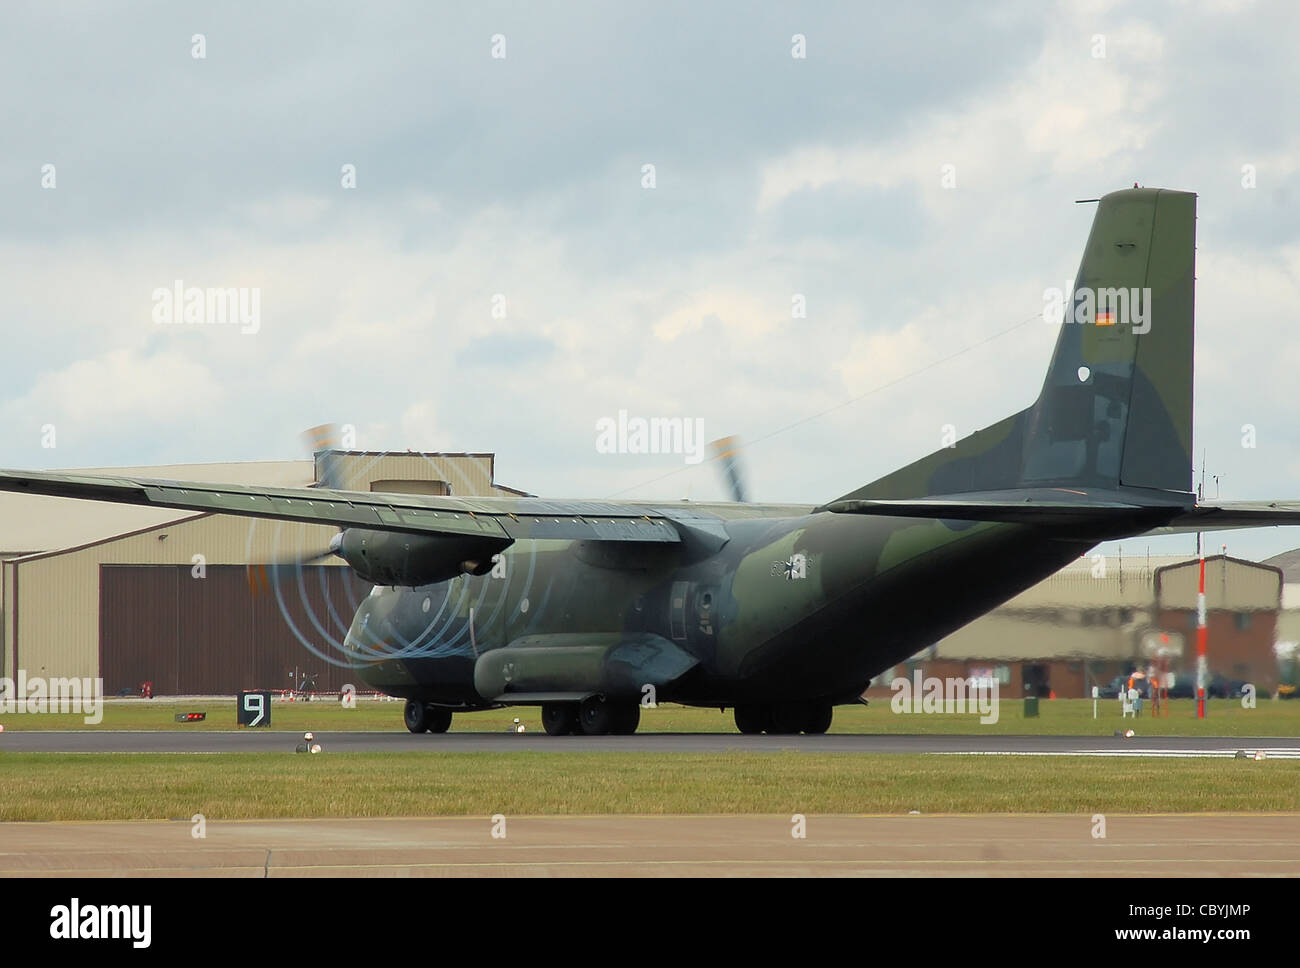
pixel 1071 717
pixel 46 787
pixel 267 785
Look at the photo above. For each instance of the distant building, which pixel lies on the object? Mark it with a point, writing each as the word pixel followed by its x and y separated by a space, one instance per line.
pixel 1288 622
pixel 1097 619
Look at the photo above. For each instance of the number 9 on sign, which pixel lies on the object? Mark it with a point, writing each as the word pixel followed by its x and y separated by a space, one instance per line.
pixel 254 709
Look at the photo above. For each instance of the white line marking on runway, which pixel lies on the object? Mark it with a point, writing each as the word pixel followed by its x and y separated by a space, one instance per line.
pixel 1281 753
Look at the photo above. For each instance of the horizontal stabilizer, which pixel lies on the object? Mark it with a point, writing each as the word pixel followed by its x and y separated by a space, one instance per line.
pixel 1020 507
pixel 1233 515
pixel 1040 508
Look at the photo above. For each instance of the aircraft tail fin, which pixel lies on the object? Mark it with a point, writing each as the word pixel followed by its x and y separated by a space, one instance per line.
pixel 1115 412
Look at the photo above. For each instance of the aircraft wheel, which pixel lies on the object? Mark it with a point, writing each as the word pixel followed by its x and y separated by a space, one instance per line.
pixel 560 718
pixel 415 716
pixel 438 718
pixel 751 718
pixel 786 718
pixel 625 718
pixel 819 718
pixel 595 715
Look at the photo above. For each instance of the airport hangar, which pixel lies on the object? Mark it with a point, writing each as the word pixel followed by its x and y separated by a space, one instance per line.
pixel 1094 620
pixel 95 589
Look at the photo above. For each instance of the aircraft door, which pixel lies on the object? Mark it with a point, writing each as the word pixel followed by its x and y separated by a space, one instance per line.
pixel 705 605
pixel 692 614
pixel 677 610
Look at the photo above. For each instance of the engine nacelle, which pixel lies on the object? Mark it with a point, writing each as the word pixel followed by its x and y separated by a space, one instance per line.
pixel 410 560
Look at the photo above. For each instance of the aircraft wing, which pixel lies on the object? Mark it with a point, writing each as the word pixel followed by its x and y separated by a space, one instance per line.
pixel 536 518
pixel 511 517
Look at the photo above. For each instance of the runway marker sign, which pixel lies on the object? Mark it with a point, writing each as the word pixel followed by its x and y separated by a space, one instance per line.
pixel 254 708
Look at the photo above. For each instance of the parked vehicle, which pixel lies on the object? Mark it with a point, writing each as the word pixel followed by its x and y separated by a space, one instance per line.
pixel 1218 687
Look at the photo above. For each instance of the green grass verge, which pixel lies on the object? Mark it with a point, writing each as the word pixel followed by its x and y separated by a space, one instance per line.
pixel 1071 717
pixel 42 786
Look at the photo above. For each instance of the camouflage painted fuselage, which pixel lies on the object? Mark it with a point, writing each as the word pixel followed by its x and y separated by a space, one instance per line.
pixel 795 604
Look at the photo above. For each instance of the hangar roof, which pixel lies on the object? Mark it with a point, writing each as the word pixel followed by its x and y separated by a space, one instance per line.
pixel 1289 562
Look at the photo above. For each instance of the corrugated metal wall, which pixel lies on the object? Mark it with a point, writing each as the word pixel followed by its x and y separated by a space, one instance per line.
pixel 1014 636
pixel 58 597
pixel 217 634
pixel 465 474
pixel 143 615
pixel 1230 584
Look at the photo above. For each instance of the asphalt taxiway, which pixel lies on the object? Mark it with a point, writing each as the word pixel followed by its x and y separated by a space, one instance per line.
pixel 266 741
pixel 1051 845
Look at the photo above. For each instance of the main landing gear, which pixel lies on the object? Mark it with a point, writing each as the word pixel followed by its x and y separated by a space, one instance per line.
pixel 784 718
pixel 423 718
pixel 594 716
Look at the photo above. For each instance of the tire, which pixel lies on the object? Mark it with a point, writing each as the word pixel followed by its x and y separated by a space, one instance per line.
pixel 595 716
pixel 560 718
pixel 751 718
pixel 415 716
pixel 819 718
pixel 625 719
pixel 438 718
pixel 787 718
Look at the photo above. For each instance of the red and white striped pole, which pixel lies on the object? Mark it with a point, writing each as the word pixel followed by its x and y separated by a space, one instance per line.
pixel 1200 643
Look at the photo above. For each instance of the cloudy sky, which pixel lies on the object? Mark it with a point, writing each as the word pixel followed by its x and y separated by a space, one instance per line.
pixel 501 276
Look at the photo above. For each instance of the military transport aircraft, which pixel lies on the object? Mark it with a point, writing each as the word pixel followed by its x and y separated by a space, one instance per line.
pixel 779 612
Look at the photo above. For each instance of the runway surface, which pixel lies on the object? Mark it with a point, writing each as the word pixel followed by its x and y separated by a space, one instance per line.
pixel 262 741
pixel 993 846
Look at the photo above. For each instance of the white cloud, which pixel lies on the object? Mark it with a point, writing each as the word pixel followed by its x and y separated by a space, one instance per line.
pixel 737 311
pixel 121 391
pixel 376 303
pixel 1069 111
